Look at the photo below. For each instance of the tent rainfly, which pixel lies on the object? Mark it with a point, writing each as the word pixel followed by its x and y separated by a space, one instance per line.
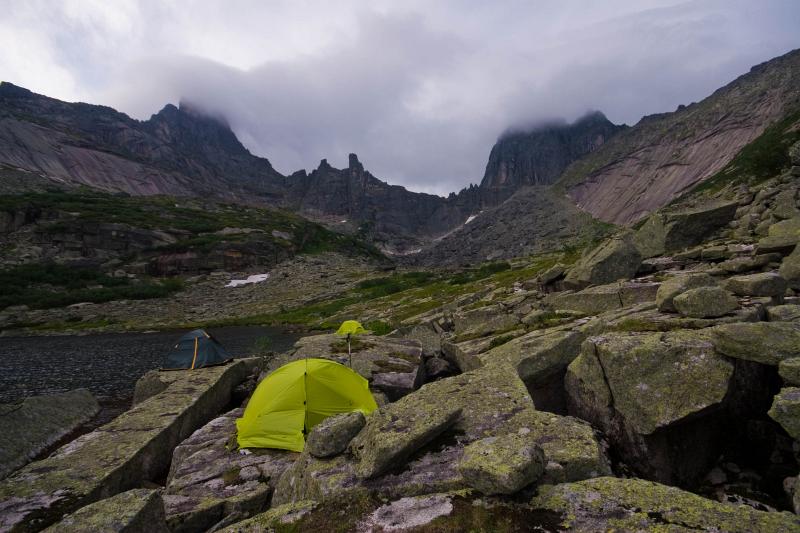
pixel 295 398
pixel 196 349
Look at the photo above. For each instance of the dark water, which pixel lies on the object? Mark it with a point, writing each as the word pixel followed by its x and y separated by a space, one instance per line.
pixel 108 365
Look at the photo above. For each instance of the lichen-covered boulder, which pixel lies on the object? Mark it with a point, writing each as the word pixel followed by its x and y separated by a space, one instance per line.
pixel 615 504
pixel 672 287
pixel 783 313
pixel 790 269
pixel 502 465
pixel 331 436
pixel 148 385
pixel 763 342
pixel 612 260
pixel 705 302
pixel 479 322
pixel 552 274
pixel 602 298
pixel 761 284
pixel 30 426
pixel 785 410
pixel 789 371
pixel 133 448
pixel 492 401
pixel 781 237
pixel 643 389
pixel 794 153
pixel 386 441
pixel 134 511
pixel 667 231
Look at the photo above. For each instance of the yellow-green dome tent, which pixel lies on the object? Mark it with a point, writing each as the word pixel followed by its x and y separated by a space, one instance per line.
pixel 298 396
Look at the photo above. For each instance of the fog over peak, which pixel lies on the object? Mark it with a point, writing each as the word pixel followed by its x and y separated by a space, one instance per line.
pixel 419 90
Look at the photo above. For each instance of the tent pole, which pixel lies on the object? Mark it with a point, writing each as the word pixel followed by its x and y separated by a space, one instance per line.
pixel 349 353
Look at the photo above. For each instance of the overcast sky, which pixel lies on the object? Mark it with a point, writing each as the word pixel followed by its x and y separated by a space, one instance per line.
pixel 419 89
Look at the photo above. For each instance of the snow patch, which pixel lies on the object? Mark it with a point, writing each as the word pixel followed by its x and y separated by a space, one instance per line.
pixel 255 278
pixel 472 217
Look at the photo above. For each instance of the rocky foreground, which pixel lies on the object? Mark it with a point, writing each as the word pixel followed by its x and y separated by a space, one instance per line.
pixel 654 384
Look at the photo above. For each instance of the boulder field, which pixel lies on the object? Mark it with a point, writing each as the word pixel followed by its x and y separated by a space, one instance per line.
pixel 653 383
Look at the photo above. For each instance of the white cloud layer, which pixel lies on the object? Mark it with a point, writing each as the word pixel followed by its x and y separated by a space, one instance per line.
pixel 419 89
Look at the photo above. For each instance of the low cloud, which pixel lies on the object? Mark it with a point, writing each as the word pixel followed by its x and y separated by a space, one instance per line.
pixel 420 93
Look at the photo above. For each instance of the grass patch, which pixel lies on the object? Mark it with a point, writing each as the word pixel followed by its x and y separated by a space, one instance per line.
pixel 48 285
pixel 499 341
pixel 379 327
pixel 482 272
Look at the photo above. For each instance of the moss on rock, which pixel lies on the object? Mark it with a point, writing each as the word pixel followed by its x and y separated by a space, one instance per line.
pixel 614 504
pixel 763 342
pixel 503 464
pixel 785 410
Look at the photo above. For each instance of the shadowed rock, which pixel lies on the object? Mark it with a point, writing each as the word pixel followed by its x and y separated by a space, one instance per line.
pixel 331 436
pixel 28 427
pixel 613 260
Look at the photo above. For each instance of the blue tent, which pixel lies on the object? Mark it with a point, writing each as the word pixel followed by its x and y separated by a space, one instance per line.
pixel 196 349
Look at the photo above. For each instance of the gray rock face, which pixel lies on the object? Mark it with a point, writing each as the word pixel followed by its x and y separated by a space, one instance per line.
pixel 602 298
pixel 538 157
pixel 502 465
pixel 331 436
pixel 27 428
pixel 705 302
pixel 676 285
pixel 794 153
pixel 209 483
pixel 148 385
pixel 761 284
pixel 613 260
pixel 783 313
pixel 134 511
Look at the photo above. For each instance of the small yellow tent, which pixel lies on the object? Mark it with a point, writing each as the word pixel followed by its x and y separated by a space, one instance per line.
pixel 350 327
pixel 295 398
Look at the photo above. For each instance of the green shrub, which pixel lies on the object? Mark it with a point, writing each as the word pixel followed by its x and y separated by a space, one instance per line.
pixel 379 327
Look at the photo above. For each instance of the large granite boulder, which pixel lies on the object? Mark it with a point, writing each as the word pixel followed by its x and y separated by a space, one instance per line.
pixel 602 298
pixel 614 504
pixel 479 322
pixel 502 465
pixel 387 441
pixel 491 401
pixel 649 392
pixel 208 482
pixel 393 366
pixel 675 285
pixel 763 342
pixel 782 237
pixel 785 410
pixel 30 426
pixel 761 284
pixel 705 302
pixel 669 231
pixel 783 313
pixel 332 436
pixel 613 260
pixel 789 371
pixel 790 269
pixel 133 448
pixel 133 511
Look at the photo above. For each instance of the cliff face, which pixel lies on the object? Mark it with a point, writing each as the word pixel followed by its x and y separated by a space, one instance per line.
pixel 648 165
pixel 539 156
